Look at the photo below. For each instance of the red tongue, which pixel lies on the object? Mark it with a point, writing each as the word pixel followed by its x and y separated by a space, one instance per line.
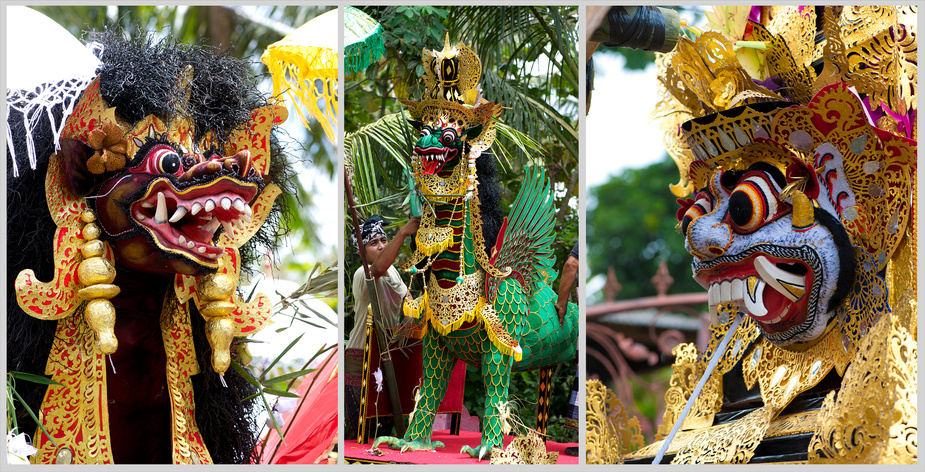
pixel 431 167
pixel 775 303
pixel 196 234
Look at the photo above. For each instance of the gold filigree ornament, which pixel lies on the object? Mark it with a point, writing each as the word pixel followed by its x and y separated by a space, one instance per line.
pixel 873 418
pixel 729 443
pixel 529 449
pixel 732 442
pixel 709 69
pixel 674 108
pixel 84 269
pixel 432 239
pixel 452 74
pixel 686 372
pixel 871 48
pixel 689 366
pixel 455 305
pixel 880 55
pixel 611 433
pixel 784 374
pixel 76 413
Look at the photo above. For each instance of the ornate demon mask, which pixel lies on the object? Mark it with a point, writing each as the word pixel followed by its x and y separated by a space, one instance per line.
pixel 798 205
pixel 173 195
pixel 454 123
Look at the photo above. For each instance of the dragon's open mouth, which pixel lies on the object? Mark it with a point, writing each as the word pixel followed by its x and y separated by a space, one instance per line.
pixel 774 291
pixel 184 222
pixel 434 158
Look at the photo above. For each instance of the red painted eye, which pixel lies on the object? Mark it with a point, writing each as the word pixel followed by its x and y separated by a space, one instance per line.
pixel 753 203
pixel 703 204
pixel 162 159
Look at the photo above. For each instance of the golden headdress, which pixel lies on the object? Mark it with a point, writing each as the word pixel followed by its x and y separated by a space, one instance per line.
pixel 712 108
pixel 705 83
pixel 451 77
pixel 452 74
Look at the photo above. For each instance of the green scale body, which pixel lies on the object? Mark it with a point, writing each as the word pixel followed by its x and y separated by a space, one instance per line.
pixel 494 310
pixel 513 326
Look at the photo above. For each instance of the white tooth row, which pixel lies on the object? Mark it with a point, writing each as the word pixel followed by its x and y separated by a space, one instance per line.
pixel 190 244
pixel 737 291
pixel 748 293
pixel 160 216
pixel 726 291
pixel 436 157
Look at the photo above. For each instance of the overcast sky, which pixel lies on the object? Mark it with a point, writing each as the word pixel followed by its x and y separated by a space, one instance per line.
pixel 619 134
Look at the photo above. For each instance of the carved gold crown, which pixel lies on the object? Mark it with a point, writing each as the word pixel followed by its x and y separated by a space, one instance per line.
pixel 452 74
pixel 716 101
pixel 716 113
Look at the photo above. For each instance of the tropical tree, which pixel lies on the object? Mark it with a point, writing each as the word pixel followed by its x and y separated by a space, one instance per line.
pixel 631 227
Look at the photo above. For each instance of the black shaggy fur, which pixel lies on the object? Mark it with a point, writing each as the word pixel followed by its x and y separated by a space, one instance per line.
pixel 139 78
pixel 490 198
pixel 30 232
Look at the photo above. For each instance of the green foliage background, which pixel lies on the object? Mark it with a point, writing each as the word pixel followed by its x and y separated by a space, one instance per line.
pixel 632 228
pixel 631 218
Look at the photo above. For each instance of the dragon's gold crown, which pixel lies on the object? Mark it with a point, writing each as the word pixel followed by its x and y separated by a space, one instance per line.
pixel 452 74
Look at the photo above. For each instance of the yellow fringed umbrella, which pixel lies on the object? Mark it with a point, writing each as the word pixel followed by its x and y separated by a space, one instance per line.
pixel 300 61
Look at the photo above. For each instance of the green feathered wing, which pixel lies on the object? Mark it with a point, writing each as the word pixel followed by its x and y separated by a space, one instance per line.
pixel 524 301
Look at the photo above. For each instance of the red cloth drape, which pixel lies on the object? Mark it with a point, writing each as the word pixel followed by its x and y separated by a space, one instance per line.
pixel 312 430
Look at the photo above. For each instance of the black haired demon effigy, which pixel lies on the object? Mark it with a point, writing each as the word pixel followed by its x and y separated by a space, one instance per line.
pixel 489 305
pixel 153 192
pixel 802 227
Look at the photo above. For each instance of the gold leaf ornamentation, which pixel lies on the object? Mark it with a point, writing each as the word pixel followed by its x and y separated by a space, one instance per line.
pixel 729 443
pixel 529 449
pixel 610 432
pixel 873 419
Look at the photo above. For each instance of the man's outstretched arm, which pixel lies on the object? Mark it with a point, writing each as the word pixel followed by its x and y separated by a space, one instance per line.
pixel 566 283
pixel 390 251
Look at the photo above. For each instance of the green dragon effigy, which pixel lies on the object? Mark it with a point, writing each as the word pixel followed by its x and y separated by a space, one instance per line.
pixel 486 305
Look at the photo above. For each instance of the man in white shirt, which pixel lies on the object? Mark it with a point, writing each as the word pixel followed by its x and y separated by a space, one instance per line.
pixel 380 254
